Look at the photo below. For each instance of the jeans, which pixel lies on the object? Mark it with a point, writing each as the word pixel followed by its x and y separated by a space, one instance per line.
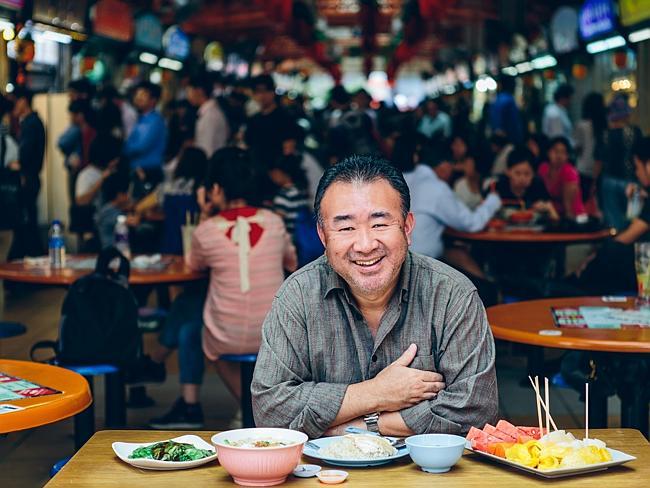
pixel 613 202
pixel 182 330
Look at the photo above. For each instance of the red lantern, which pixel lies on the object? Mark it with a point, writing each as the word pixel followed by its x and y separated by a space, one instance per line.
pixel 579 71
pixel 88 64
pixel 549 74
pixel 620 59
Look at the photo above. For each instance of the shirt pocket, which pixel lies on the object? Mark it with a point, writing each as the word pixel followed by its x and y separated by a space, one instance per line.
pixel 424 363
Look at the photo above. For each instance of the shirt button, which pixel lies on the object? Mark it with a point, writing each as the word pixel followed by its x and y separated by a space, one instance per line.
pixel 374 358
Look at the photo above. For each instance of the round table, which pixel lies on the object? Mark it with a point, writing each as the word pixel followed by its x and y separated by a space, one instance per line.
pixel 74 397
pixel 524 236
pixel 522 322
pixel 175 272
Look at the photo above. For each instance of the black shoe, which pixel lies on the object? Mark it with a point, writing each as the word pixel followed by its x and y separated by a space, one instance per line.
pixel 138 398
pixel 145 371
pixel 181 416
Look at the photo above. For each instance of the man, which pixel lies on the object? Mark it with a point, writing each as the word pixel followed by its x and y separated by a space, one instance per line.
pixel 372 335
pixel 556 121
pixel 435 123
pixel 211 130
pixel 145 145
pixel 504 114
pixel 31 150
pixel 266 130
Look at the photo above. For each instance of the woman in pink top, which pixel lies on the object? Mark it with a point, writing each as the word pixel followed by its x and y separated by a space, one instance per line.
pixel 246 250
pixel 562 180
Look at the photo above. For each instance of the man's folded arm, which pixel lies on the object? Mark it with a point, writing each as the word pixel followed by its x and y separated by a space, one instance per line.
pixel 466 360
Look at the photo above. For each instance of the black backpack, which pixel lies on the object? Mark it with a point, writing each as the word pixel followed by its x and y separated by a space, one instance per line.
pixel 99 318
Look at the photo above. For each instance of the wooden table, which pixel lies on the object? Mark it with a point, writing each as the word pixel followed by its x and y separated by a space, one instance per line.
pixel 74 397
pixel 522 322
pixel 176 272
pixel 529 237
pixel 96 465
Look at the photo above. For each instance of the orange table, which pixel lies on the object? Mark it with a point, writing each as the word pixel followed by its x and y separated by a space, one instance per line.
pixel 175 272
pixel 522 322
pixel 528 237
pixel 74 397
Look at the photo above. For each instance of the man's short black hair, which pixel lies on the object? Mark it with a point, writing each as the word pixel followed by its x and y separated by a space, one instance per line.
pixel 151 88
pixel 363 169
pixel 103 150
pixel 80 107
pixel 508 83
pixel 264 80
pixel 642 149
pixel 23 92
pixel 563 91
pixel 234 171
pixel 82 85
pixel 518 155
pixel 203 83
pixel 114 185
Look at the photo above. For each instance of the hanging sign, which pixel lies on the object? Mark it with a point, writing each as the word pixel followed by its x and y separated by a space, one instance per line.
pixel 597 17
pixel 148 32
pixel 176 43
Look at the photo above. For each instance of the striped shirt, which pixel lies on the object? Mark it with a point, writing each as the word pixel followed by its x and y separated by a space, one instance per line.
pixel 315 343
pixel 287 203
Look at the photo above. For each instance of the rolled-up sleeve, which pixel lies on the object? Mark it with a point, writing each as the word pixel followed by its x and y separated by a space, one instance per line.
pixel 465 358
pixel 284 394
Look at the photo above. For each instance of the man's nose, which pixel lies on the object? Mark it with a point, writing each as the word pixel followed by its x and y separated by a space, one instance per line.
pixel 365 241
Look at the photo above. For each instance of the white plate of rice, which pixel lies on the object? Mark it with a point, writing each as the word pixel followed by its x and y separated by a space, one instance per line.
pixel 340 451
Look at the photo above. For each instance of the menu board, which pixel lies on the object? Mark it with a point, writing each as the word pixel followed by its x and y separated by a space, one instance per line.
pixel 600 318
pixel 13 388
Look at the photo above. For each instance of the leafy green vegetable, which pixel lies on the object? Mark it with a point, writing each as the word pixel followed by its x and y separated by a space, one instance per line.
pixel 170 451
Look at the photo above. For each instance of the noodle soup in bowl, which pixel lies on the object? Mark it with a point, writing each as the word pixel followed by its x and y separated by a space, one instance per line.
pixel 259 456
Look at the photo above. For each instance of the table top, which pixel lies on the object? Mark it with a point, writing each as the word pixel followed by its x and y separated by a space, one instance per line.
pixel 530 237
pixel 96 465
pixel 522 321
pixel 175 272
pixel 74 397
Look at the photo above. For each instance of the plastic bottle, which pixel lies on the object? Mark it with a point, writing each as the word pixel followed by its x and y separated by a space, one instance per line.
pixel 56 245
pixel 121 236
pixel 634 204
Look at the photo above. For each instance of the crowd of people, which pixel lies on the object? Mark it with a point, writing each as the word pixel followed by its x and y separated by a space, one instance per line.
pixel 247 164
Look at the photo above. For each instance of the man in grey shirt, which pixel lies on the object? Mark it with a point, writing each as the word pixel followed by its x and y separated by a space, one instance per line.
pixel 371 334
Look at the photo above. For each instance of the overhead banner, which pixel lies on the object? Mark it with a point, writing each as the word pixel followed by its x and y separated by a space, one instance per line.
pixel 113 19
pixel 597 18
pixel 634 11
pixel 148 32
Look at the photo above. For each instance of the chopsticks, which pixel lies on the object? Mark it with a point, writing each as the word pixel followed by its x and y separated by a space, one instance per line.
pixel 544 405
pixel 586 410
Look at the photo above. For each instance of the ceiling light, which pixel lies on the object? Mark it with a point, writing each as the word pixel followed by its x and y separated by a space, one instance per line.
pixel 543 62
pixel 524 67
pixel 56 37
pixel 510 71
pixel 148 58
pixel 640 35
pixel 605 44
pixel 172 64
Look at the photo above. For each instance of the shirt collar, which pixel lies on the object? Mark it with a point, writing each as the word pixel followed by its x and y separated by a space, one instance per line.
pixel 334 281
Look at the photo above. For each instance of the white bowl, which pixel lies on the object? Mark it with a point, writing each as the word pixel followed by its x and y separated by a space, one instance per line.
pixel 435 453
pixel 124 449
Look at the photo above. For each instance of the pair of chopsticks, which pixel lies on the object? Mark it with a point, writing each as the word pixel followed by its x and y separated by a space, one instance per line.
pixel 546 406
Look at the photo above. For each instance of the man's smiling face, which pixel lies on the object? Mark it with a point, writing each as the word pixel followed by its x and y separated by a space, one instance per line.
pixel 366 238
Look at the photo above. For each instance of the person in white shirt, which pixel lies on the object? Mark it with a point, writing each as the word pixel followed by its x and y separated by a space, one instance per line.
pixel 104 156
pixel 556 121
pixel 211 131
pixel 435 123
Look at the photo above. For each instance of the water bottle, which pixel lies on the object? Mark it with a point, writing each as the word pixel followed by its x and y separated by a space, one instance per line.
pixel 121 236
pixel 634 204
pixel 56 245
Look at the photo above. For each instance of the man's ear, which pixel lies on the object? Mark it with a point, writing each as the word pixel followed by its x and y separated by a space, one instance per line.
pixel 321 233
pixel 409 224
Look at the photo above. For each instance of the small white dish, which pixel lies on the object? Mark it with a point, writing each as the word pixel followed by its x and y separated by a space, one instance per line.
pixel 349 463
pixel 332 476
pixel 306 470
pixel 124 449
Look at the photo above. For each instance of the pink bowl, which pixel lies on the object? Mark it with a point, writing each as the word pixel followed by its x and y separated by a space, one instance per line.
pixel 263 466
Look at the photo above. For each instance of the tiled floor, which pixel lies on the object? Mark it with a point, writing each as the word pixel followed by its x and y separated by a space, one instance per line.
pixel 26 457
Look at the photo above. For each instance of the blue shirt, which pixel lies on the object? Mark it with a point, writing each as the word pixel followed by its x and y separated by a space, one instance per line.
pixel 504 117
pixel 436 206
pixel 146 143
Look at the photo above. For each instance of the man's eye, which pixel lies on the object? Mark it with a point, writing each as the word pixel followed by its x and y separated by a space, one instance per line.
pixel 346 229
pixel 375 226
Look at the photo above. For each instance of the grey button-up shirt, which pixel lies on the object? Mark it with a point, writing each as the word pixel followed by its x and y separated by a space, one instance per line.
pixel 315 342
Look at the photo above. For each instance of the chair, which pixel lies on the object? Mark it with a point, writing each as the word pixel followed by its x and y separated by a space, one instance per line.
pixel 247 362
pixel 56 467
pixel 84 422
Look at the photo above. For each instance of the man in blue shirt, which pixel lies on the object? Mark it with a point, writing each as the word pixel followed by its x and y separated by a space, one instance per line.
pixel 504 113
pixel 146 144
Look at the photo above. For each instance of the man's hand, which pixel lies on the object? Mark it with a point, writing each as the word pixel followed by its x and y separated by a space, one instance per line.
pixel 398 386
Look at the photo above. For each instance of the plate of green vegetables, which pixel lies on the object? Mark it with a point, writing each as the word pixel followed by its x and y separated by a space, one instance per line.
pixel 183 452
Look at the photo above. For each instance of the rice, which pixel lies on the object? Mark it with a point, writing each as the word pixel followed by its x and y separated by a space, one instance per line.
pixel 359 446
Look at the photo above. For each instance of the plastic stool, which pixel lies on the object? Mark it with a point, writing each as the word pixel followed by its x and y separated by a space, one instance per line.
pixel 247 362
pixel 56 467
pixel 11 329
pixel 84 422
pixel 151 319
pixel 558 380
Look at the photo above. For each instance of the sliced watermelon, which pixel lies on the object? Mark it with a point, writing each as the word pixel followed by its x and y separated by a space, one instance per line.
pixel 512 431
pixel 474 433
pixel 493 431
pixel 532 431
